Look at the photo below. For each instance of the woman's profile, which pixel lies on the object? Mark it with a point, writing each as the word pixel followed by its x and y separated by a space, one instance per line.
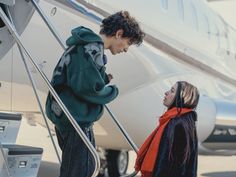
pixel 171 149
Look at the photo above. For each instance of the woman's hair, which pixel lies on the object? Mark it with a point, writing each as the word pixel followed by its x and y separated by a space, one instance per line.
pixel 123 20
pixel 187 96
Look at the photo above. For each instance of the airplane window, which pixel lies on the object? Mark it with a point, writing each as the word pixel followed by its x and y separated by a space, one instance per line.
pixel 235 49
pixel 206 27
pixel 194 17
pixel 181 9
pixel 53 11
pixel 216 35
pixel 226 37
pixel 232 41
pixel 191 17
pixel 164 4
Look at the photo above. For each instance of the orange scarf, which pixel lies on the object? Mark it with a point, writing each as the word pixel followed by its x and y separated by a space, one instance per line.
pixel 148 152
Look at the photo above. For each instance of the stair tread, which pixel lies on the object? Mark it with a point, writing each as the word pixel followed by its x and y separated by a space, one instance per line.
pixel 22 149
pixel 10 116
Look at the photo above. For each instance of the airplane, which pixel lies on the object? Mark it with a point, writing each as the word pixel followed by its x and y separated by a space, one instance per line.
pixel 185 40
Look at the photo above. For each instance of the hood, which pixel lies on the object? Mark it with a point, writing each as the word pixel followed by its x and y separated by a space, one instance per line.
pixel 82 35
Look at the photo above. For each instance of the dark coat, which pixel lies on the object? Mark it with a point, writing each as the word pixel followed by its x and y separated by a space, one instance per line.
pixel 174 167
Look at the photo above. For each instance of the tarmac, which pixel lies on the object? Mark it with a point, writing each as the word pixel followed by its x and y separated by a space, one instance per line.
pixel 37 136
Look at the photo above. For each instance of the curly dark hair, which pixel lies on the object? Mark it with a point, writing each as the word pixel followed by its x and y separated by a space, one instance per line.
pixel 123 20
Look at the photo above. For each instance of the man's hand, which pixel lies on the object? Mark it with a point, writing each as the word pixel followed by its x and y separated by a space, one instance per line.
pixel 110 77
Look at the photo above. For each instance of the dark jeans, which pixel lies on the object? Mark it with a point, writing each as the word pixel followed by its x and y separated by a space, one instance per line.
pixel 77 161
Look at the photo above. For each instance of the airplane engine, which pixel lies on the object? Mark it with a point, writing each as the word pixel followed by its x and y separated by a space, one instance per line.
pixel 21 12
pixel 206 117
pixel 221 140
pixel 216 126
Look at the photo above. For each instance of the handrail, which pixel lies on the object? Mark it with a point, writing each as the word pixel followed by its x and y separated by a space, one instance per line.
pixel 35 91
pixel 5 161
pixel 53 92
pixel 39 102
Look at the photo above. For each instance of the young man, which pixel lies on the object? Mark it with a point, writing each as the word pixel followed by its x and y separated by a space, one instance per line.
pixel 81 82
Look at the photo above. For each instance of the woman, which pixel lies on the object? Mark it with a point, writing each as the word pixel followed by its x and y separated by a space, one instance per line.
pixel 171 150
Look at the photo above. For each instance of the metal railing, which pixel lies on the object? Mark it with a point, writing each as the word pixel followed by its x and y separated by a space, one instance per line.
pixel 35 90
pixel 53 92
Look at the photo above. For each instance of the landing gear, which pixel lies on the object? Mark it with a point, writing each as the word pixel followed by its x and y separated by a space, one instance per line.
pixel 117 162
pixel 103 159
pixel 114 164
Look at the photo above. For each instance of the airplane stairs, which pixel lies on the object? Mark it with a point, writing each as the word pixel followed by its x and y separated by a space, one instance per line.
pixel 16 160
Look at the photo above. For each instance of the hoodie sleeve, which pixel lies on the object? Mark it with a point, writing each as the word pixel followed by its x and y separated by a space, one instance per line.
pixel 88 84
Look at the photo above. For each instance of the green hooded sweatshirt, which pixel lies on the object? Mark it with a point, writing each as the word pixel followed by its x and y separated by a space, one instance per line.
pixel 80 81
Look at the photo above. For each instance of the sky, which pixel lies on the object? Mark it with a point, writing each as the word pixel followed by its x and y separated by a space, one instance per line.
pixel 227 9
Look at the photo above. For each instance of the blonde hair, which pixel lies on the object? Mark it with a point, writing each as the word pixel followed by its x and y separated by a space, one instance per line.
pixel 188 94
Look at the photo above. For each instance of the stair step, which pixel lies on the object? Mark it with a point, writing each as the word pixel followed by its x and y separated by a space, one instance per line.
pixel 23 161
pixel 22 150
pixel 9 127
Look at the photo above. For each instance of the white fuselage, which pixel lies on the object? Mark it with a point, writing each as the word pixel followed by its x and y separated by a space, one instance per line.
pixel 143 74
